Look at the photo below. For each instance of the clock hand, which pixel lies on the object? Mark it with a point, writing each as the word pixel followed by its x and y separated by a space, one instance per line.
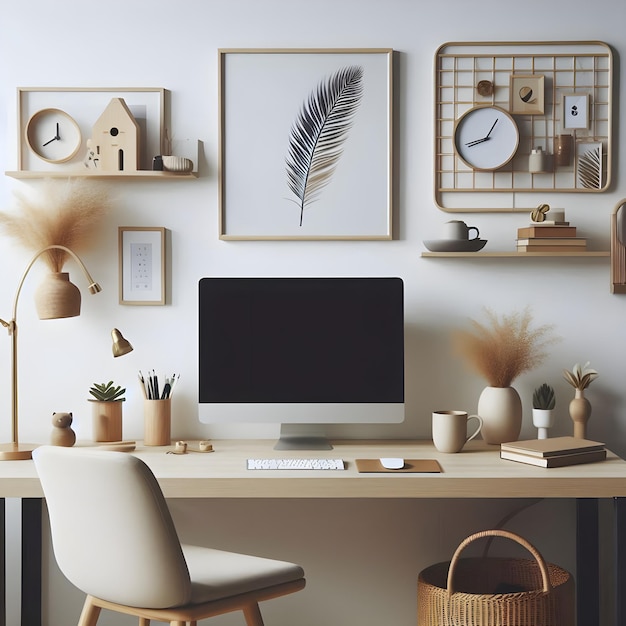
pixel 477 141
pixel 59 136
pixel 55 138
pixel 485 138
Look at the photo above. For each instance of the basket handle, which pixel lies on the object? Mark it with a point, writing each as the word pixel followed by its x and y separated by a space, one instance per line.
pixel 508 535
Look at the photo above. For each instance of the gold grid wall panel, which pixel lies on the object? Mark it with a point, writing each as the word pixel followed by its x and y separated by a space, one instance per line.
pixel 568 68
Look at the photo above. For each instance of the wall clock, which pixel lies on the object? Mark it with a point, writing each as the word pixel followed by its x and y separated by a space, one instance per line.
pixel 486 137
pixel 53 135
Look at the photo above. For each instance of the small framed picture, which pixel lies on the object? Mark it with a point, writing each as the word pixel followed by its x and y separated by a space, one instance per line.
pixel 141 265
pixel 576 110
pixel 526 94
pixel 589 164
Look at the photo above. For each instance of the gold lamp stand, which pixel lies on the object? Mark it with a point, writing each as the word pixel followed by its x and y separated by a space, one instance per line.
pixel 56 298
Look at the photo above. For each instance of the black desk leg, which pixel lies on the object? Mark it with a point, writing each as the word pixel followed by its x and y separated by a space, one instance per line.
pixel 620 559
pixel 587 562
pixel 31 561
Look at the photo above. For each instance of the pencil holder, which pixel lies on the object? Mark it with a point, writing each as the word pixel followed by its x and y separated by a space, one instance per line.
pixel 157 422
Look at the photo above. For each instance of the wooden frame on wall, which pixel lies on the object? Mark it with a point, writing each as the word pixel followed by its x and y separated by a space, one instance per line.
pixel 526 94
pixel 575 113
pixel 141 265
pixel 147 104
pixel 265 98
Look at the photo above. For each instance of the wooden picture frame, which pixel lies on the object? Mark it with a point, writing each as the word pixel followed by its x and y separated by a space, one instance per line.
pixel 526 94
pixel 575 111
pixel 85 105
pixel 141 265
pixel 264 96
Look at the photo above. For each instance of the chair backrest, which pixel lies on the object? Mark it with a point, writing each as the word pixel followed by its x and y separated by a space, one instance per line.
pixel 112 533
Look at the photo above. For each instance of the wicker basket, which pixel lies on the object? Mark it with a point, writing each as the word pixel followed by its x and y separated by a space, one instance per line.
pixel 495 591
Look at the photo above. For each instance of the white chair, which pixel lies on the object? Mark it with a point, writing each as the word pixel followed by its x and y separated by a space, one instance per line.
pixel 114 539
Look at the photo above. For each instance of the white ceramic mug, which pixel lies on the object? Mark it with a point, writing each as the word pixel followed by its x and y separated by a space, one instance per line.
pixel 457 229
pixel 450 430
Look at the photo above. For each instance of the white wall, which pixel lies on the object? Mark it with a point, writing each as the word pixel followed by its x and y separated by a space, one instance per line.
pixel 174 45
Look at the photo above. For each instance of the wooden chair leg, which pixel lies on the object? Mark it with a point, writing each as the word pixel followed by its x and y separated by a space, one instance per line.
pixel 90 613
pixel 144 621
pixel 252 613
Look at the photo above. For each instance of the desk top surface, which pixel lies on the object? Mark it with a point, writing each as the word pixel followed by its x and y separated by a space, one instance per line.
pixel 476 472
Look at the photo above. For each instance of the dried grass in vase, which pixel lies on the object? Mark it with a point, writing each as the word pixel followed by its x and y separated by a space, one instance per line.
pixel 505 347
pixel 63 212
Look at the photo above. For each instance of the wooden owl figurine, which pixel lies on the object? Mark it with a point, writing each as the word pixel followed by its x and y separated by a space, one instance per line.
pixel 62 433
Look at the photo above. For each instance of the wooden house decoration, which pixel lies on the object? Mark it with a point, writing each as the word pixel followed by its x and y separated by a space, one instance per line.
pixel 115 139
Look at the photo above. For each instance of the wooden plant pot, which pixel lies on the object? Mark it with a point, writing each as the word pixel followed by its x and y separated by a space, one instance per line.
pixel 107 420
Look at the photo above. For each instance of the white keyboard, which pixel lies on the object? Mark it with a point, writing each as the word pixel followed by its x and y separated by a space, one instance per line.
pixel 295 464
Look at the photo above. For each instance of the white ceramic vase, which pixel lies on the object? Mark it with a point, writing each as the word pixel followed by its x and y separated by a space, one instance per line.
pixel 501 411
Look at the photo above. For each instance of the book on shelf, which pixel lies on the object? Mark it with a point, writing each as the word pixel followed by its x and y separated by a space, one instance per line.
pixel 551 248
pixel 546 231
pixel 558 460
pixel 552 241
pixel 550 223
pixel 552 446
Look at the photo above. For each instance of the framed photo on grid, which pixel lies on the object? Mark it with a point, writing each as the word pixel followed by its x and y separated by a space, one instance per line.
pixel 305 143
pixel 526 94
pixel 575 112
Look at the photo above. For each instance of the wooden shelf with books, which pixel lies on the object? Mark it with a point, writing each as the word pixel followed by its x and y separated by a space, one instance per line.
pixel 538 239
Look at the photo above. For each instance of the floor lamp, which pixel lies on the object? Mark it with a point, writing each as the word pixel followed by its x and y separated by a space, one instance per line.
pixel 55 298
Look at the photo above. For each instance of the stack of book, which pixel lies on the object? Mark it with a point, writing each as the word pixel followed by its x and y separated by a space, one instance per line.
pixel 550 237
pixel 555 452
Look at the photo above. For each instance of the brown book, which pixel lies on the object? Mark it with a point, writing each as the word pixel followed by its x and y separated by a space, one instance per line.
pixel 552 446
pixel 551 248
pixel 546 231
pixel 552 241
pixel 560 460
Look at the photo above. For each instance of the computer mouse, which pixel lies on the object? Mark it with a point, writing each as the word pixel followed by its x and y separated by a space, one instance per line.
pixel 392 463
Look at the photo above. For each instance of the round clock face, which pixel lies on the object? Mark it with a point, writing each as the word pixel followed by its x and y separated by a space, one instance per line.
pixel 486 137
pixel 53 135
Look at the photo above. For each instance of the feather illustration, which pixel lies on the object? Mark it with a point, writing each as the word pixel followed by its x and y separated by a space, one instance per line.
pixel 319 132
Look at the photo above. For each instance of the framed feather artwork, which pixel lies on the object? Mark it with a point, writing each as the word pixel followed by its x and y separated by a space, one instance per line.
pixel 305 144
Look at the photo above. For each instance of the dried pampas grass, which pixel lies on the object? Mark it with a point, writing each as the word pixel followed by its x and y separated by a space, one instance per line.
pixel 504 348
pixel 62 212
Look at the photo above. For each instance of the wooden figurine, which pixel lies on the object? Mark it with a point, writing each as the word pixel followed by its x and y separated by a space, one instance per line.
pixel 115 139
pixel 62 433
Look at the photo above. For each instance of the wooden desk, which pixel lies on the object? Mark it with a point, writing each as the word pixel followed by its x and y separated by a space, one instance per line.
pixel 477 472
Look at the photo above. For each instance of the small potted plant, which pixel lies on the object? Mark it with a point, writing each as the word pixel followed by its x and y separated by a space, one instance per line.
pixel 543 405
pixel 107 411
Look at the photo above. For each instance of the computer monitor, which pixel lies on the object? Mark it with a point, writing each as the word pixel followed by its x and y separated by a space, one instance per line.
pixel 302 352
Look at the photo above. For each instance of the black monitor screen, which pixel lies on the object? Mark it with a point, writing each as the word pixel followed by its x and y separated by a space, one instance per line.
pixel 301 340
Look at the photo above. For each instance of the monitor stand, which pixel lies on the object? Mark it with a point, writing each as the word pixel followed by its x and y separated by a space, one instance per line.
pixel 302 437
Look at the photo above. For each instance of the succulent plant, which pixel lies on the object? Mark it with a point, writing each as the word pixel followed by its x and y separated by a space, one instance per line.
pixel 580 377
pixel 107 392
pixel 543 397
